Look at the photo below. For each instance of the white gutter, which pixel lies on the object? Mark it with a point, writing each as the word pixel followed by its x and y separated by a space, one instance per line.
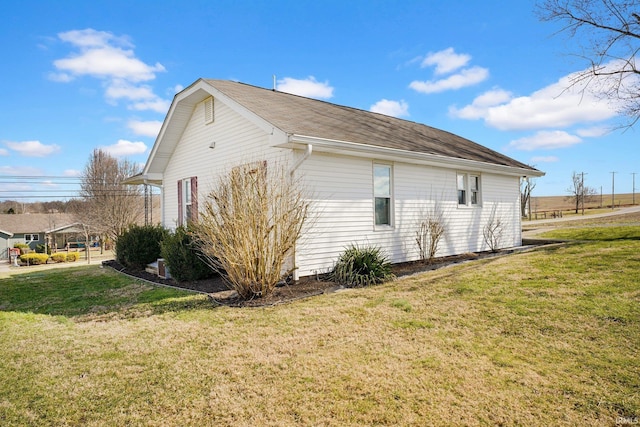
pixel 385 153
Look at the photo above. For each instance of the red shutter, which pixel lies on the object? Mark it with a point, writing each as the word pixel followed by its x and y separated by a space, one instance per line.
pixel 180 219
pixel 194 199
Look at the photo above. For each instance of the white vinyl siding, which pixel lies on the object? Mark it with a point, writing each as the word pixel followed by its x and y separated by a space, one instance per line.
pixel 342 200
pixel 237 141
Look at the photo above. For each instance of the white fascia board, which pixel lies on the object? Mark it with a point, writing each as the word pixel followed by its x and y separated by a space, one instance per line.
pixel 394 154
pixel 179 115
pixel 8 233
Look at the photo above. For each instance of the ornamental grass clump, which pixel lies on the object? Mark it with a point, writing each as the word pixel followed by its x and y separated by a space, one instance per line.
pixel 362 266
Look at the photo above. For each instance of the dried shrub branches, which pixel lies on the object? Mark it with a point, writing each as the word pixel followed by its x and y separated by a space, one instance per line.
pixel 249 225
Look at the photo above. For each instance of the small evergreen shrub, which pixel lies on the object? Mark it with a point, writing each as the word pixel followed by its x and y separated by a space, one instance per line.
pixel 140 245
pixel 181 256
pixel 59 257
pixel 362 266
pixel 41 248
pixel 34 258
pixel 73 256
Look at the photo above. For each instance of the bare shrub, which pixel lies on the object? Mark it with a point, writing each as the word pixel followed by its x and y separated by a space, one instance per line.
pixel 431 229
pixel 493 230
pixel 249 226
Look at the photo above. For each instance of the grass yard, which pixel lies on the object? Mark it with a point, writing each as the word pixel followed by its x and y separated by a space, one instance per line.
pixel 549 337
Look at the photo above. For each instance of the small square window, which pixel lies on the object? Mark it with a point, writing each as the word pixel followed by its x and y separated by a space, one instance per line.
pixel 468 187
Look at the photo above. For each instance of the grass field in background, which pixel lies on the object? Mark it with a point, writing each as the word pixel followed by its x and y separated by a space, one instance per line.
pixel 548 337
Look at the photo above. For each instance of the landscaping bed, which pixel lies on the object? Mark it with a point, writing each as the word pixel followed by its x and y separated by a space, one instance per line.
pixel 309 286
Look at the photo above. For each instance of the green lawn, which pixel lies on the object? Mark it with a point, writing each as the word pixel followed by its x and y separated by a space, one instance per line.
pixel 549 337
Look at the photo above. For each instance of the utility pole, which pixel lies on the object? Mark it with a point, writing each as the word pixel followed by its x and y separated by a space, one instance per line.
pixel 633 188
pixel 582 190
pixel 613 190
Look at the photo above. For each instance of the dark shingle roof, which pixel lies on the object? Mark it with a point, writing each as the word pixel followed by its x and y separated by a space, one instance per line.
pixel 33 223
pixel 309 117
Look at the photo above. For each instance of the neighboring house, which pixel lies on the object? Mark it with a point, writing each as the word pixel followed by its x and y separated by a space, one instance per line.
pixel 33 230
pixel 373 177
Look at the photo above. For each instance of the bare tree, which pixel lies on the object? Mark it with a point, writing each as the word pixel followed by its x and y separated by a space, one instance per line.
pixel 578 192
pixel 608 35
pixel 431 229
pixel 107 207
pixel 527 185
pixel 493 230
pixel 251 222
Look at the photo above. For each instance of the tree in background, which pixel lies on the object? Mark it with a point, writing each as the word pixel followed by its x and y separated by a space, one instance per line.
pixel 527 185
pixel 107 206
pixel 578 192
pixel 608 35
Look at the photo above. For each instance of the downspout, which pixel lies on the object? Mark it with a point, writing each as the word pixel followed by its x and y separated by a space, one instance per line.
pixel 302 159
pixel 305 156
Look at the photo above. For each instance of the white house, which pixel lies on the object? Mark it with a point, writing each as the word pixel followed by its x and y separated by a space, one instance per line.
pixel 373 177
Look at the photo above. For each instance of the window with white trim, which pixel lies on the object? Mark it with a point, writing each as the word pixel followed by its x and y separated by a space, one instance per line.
pixel 382 192
pixel 31 237
pixel 468 186
pixel 187 200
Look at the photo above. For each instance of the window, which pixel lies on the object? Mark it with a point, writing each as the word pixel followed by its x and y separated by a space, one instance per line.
pixel 31 237
pixel 208 110
pixel 382 194
pixel 468 189
pixel 474 189
pixel 187 200
pixel 462 189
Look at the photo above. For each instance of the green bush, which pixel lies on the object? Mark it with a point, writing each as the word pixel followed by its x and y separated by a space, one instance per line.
pixel 140 245
pixel 59 257
pixel 181 256
pixel 362 266
pixel 34 258
pixel 73 256
pixel 41 248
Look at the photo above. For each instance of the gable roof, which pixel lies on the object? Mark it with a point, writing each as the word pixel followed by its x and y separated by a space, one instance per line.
pixel 33 223
pixel 298 115
pixel 307 120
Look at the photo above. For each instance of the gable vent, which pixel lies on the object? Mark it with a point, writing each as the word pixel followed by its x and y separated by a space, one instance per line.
pixel 208 110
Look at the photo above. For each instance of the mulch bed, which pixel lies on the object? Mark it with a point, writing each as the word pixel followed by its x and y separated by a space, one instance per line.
pixel 218 291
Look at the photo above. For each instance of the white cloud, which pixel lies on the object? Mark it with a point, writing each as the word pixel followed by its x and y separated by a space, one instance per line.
pixel 558 105
pixel 391 108
pixel 124 148
pixel 466 77
pixel 593 132
pixel 479 107
pixel 4 152
pixel 119 89
pixel 176 89
pixel 308 87
pixel 446 61
pixel 33 148
pixel 20 171
pixel 545 140
pixel 102 55
pixel 71 172
pixel 145 128
pixel 158 105
pixel 544 159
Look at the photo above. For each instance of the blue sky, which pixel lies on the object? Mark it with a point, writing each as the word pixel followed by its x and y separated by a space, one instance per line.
pixel 78 75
